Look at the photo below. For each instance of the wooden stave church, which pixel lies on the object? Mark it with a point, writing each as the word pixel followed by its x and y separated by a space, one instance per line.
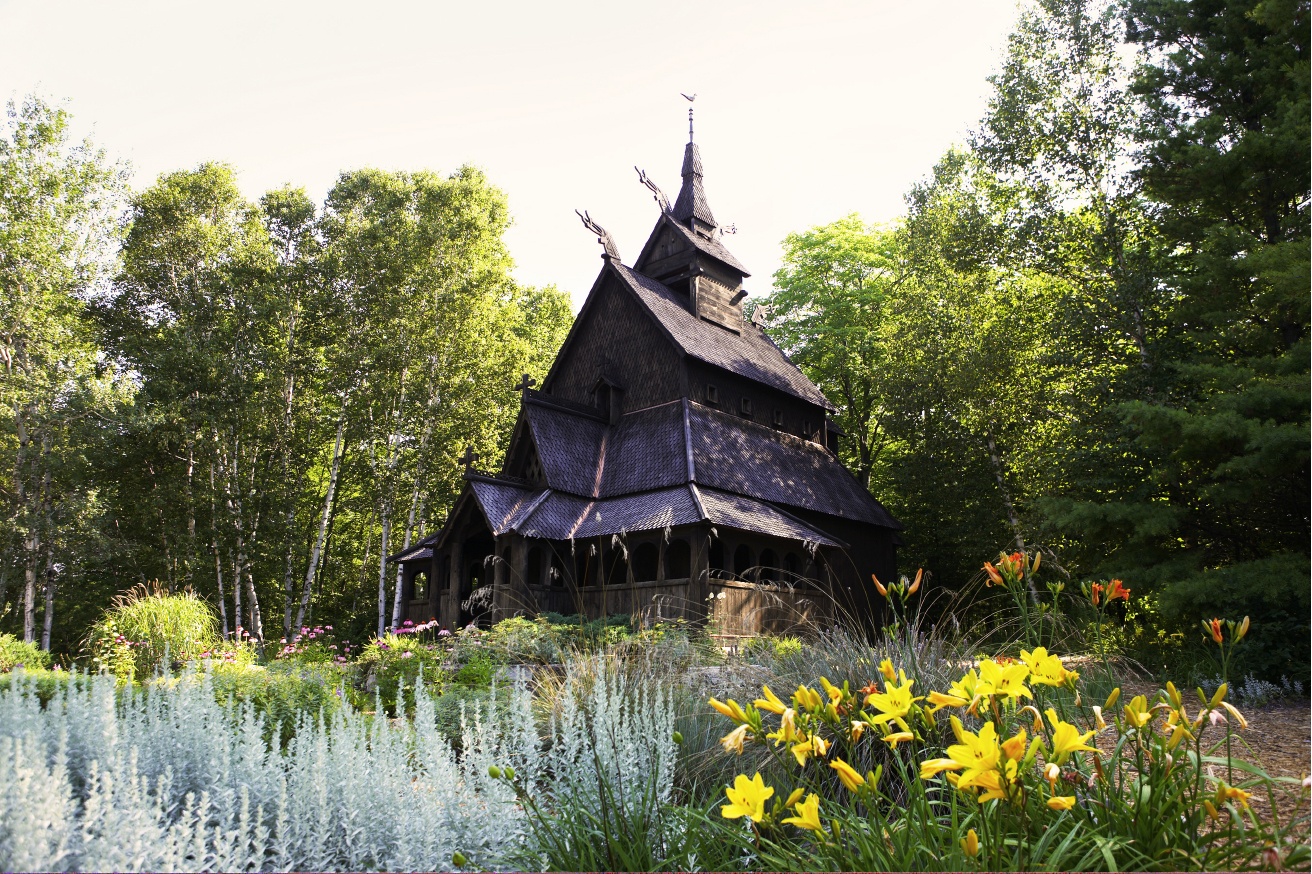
pixel 674 461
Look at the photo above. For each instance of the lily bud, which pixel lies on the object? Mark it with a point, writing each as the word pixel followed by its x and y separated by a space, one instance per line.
pixel 1243 629
pixel 1112 699
pixel 879 587
pixel 915 586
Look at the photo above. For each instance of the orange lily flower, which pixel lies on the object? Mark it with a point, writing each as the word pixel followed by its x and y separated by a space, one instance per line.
pixel 1215 627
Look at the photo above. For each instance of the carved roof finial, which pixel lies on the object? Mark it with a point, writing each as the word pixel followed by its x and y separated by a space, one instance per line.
pixel 657 194
pixel 603 235
pixel 690 100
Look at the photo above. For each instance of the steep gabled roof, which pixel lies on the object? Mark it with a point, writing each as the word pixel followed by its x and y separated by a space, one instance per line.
pixel 750 354
pixel 684 442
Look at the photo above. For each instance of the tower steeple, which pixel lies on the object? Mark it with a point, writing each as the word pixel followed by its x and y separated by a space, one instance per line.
pixel 690 207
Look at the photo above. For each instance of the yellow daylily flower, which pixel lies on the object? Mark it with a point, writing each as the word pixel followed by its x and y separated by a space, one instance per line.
pixel 895 702
pixel 1061 802
pixel 1051 773
pixel 1006 682
pixel 808 814
pixel 1137 712
pixel 733 741
pixel 851 779
pixel 940 700
pixel 1066 738
pixel 835 694
pixel 886 668
pixel 898 737
pixel 1014 746
pixel 794 796
pixel 970 844
pixel 977 753
pixel 812 746
pixel 1045 669
pixel 858 729
pixel 807 699
pixel 932 767
pixel 747 798
pixel 1239 717
pixel 730 709
pixel 770 702
pixel 787 732
pixel 1226 793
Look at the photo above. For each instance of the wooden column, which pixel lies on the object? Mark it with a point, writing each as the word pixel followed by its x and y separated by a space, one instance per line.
pixel 450 617
pixel 699 572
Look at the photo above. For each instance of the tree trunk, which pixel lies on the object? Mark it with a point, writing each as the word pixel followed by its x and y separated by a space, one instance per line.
pixel 316 551
pixel 382 569
pixel 218 561
pixel 48 617
pixel 190 561
pixel 409 530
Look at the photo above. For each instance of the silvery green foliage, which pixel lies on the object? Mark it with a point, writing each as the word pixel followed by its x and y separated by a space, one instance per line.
pixel 168 779
pixel 1254 692
pixel 612 740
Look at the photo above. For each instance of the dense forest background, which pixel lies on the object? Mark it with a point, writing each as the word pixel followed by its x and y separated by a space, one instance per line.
pixel 1089 334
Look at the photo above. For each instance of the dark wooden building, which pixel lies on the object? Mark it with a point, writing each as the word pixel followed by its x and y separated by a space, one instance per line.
pixel 672 458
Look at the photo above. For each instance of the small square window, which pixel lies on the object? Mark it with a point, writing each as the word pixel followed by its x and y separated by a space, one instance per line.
pixel 712 394
pixel 747 406
pixel 806 430
pixel 778 418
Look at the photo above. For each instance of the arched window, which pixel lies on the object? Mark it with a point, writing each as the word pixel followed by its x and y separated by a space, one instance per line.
pixel 769 566
pixel 419 587
pixel 742 560
pixel 793 565
pixel 585 564
pixel 678 560
pixel 644 562
pixel 557 571
pixel 716 558
pixel 616 567
pixel 533 573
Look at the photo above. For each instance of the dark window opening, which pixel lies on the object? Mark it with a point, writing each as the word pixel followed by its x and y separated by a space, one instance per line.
pixel 601 397
pixel 769 566
pixel 716 557
pixel 778 418
pixel 746 406
pixel 742 560
pixel 533 574
pixel 712 394
pixel 645 557
pixel 678 560
pixel 617 571
pixel 792 565
pixel 419 586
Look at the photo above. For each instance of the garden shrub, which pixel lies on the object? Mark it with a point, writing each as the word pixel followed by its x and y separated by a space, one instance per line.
pixel 14 652
pixel 389 665
pixel 170 778
pixel 148 624
pixel 282 694
pixel 526 641
pixel 45 683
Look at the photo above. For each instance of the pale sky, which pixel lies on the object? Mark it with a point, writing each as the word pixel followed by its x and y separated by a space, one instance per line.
pixel 805 111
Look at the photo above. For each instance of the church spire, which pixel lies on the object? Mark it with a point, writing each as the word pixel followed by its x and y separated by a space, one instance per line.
pixel 690 206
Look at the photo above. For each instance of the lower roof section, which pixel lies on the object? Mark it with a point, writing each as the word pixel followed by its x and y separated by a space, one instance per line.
pixel 552 515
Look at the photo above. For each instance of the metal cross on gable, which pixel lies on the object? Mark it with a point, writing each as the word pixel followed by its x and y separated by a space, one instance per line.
pixel 468 458
pixel 526 382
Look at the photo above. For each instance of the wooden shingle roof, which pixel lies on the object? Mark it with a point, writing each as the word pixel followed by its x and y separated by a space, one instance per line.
pixel 750 354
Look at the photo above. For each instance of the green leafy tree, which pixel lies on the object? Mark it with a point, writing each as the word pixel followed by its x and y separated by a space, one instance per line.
pixel 1218 523
pixel 59 204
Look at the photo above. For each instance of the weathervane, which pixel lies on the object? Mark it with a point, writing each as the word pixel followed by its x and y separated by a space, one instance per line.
pixel 690 99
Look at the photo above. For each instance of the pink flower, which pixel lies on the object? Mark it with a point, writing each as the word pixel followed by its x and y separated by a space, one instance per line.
pixel 407 655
